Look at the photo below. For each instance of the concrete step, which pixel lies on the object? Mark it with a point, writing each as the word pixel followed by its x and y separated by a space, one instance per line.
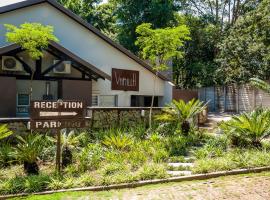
pixel 179 173
pixel 208 129
pixel 190 159
pixel 181 164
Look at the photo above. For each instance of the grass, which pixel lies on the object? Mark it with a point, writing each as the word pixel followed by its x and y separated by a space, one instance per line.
pixel 144 190
pixel 114 173
pixel 234 159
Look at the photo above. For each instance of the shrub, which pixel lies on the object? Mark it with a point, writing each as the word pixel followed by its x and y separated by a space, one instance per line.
pixel 86 180
pixel 166 129
pixel 56 184
pixel 72 170
pixel 118 141
pixel 177 145
pixel 139 131
pixel 48 153
pixel 232 160
pixel 90 157
pixel 115 157
pixel 4 131
pixel 182 113
pixel 27 151
pixel 214 147
pixel 6 155
pixel 118 178
pixel 35 183
pixel 175 159
pixel 136 157
pixel 11 186
pixel 160 155
pixel 248 128
pixel 151 171
pixel 114 168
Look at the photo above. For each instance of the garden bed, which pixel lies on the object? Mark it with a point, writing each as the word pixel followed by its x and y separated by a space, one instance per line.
pixel 130 155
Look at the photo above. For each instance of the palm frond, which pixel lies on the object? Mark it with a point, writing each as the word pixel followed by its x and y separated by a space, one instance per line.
pixel 4 131
pixel 181 111
pixel 260 84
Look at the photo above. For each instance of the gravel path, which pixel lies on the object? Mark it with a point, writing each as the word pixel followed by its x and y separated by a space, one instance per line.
pixel 248 187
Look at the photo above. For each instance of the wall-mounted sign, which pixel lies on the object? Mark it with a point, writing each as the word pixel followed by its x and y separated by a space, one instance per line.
pixel 57 114
pixel 127 80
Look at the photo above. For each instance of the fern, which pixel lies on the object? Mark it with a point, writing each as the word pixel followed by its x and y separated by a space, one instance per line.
pixel 4 131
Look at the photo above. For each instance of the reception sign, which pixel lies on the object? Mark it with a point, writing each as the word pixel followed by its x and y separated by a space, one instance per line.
pixel 126 80
pixel 57 114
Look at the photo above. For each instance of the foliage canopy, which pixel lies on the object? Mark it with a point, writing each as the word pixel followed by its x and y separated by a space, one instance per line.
pixel 160 45
pixel 245 52
pixel 33 37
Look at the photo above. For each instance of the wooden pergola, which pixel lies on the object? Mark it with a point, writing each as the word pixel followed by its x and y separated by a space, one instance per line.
pixel 87 70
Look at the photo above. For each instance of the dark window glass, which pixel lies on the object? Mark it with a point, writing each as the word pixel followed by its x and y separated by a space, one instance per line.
pixel 23 100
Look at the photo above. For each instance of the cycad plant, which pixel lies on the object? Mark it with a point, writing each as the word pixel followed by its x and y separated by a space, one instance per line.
pixel 260 84
pixel 182 113
pixel 6 155
pixel 27 151
pixel 248 128
pixel 69 141
pixel 118 140
pixel 4 131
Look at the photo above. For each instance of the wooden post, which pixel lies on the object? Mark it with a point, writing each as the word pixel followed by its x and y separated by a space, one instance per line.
pixel 254 97
pixel 237 99
pixel 58 153
pixel 225 98
pixel 214 99
pixel 118 117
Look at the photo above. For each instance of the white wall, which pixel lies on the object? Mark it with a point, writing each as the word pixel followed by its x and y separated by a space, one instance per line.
pixel 88 46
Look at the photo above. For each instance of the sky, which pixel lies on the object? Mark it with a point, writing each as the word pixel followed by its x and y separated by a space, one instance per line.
pixel 7 2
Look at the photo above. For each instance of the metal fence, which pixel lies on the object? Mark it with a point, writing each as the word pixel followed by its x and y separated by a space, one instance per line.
pixel 233 98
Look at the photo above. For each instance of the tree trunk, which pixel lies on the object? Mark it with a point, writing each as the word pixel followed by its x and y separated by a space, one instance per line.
pixel 185 126
pixel 152 102
pixel 31 168
pixel 66 157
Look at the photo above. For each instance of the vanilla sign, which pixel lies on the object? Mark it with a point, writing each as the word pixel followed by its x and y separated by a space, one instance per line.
pixel 127 80
pixel 57 114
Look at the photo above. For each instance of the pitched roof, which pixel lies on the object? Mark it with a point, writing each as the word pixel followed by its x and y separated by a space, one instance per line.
pixel 87 66
pixel 73 16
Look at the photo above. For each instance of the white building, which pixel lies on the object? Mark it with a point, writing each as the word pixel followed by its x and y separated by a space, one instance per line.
pixel 84 64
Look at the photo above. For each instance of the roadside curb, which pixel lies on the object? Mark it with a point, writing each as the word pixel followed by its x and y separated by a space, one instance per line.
pixel 148 182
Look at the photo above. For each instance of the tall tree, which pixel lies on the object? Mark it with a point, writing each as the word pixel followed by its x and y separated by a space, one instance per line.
pixel 130 14
pixel 105 19
pixel 33 37
pixel 197 67
pixel 159 46
pixel 223 13
pixel 83 8
pixel 245 52
pixel 101 16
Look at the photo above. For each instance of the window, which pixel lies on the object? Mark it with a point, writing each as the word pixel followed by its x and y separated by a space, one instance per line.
pixel 108 100
pixel 94 100
pixel 143 101
pixel 23 103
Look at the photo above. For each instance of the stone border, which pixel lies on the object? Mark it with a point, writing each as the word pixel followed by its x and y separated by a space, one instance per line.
pixel 148 182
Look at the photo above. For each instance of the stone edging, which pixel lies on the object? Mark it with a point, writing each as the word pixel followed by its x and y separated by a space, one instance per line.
pixel 148 182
